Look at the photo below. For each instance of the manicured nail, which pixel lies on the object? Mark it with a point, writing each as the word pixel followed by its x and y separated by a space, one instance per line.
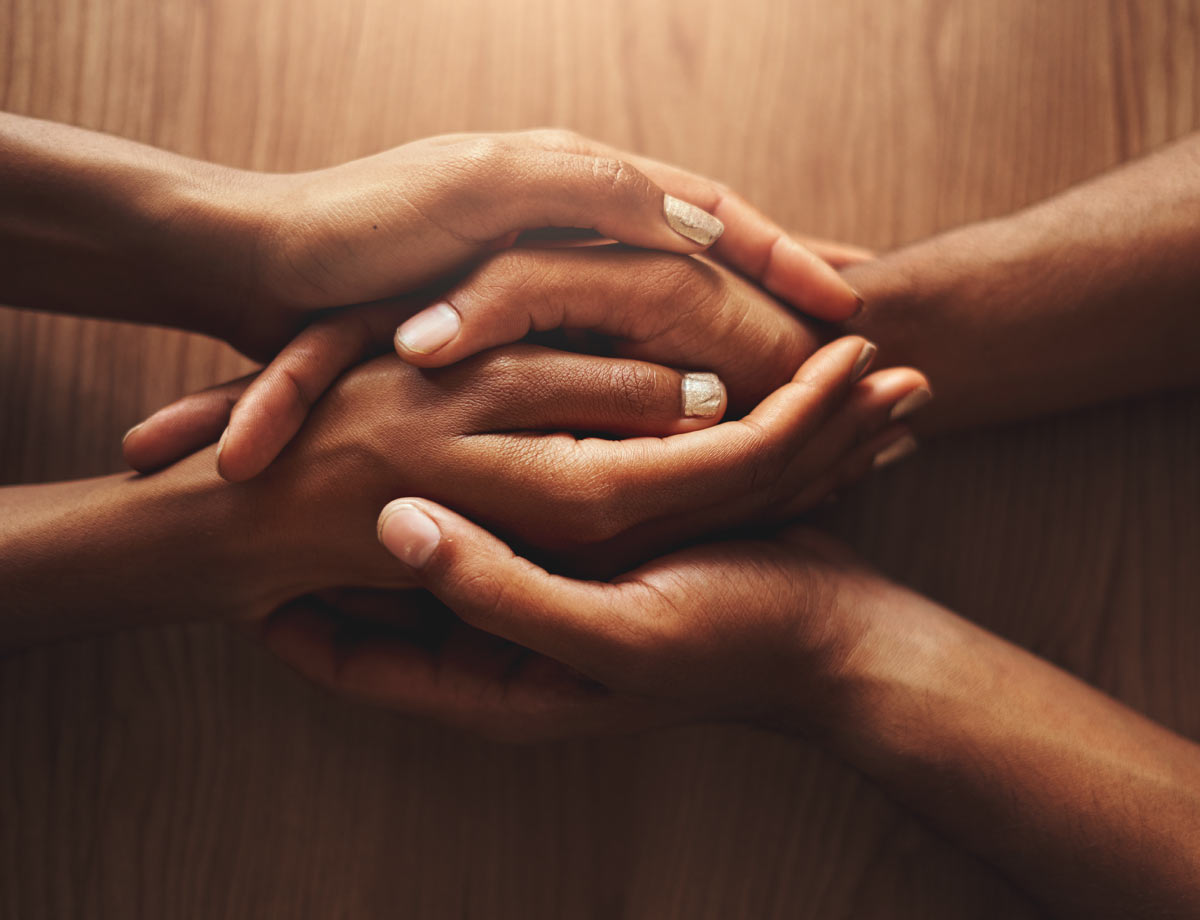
pixel 429 330
pixel 408 533
pixel 894 452
pixel 688 220
pixel 910 403
pixel 702 395
pixel 865 357
pixel 221 444
pixel 130 431
pixel 858 298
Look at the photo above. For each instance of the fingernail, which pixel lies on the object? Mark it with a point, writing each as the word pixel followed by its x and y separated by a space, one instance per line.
pixel 221 444
pixel 863 361
pixel 692 222
pixel 910 403
pixel 125 437
pixel 858 299
pixel 429 330
pixel 702 395
pixel 895 451
pixel 408 533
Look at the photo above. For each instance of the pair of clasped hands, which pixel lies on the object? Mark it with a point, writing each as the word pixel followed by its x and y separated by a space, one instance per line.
pixel 406 433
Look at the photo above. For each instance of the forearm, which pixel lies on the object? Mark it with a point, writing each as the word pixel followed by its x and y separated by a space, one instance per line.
pixel 1089 296
pixel 97 225
pixel 124 551
pixel 1085 804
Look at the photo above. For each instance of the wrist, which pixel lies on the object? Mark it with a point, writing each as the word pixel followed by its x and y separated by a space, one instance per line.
pixel 124 551
pixel 933 306
pixel 201 549
pixel 881 643
pixel 207 230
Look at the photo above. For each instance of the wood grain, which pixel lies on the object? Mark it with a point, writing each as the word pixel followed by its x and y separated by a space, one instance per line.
pixel 182 773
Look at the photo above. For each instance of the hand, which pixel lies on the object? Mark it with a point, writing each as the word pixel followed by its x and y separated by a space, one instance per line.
pixel 406 651
pixel 389 224
pixel 681 312
pixel 750 630
pixel 486 435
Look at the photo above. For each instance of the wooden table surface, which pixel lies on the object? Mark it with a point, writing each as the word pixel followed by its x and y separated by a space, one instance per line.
pixel 181 773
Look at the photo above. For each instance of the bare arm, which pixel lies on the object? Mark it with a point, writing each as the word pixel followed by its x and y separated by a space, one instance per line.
pixel 1089 296
pixel 1091 808
pixel 102 226
pixel 1087 805
pixel 117 551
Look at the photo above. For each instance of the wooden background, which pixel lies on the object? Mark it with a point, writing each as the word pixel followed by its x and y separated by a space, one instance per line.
pixel 182 773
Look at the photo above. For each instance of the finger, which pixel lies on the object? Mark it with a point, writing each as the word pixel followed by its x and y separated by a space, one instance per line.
pixel 601 191
pixel 275 405
pixel 752 243
pixel 875 406
pixel 659 308
pixel 828 460
pixel 876 400
pixel 839 255
pixel 181 428
pixel 487 585
pixel 785 267
pixel 889 446
pixel 758 247
pixel 600 489
pixel 472 680
pixel 529 388
pixel 749 456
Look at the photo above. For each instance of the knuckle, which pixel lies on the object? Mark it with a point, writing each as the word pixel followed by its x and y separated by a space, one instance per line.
pixel 485 152
pixel 500 372
pixel 585 504
pixel 509 273
pixel 684 296
pixel 613 174
pixel 487 592
pixel 767 460
pixel 635 389
pixel 556 139
pixel 694 285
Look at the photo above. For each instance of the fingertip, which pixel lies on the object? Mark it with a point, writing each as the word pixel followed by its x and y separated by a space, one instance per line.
pixel 694 224
pixel 236 459
pixel 422 336
pixel 408 532
pixel 866 356
pixel 913 401
pixel 131 431
pixel 804 279
pixel 703 399
pixel 850 356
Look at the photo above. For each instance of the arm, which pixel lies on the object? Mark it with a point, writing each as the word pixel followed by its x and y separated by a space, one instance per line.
pixel 1086 805
pixel 98 554
pixel 101 226
pixel 94 224
pixel 486 435
pixel 1089 296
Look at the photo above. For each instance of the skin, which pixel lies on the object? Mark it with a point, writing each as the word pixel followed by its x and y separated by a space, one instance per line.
pixel 789 631
pixel 1088 806
pixel 95 224
pixel 1084 298
pixel 682 312
pixel 487 434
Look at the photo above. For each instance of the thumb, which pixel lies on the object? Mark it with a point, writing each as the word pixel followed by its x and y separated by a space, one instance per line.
pixel 478 577
pixel 183 427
